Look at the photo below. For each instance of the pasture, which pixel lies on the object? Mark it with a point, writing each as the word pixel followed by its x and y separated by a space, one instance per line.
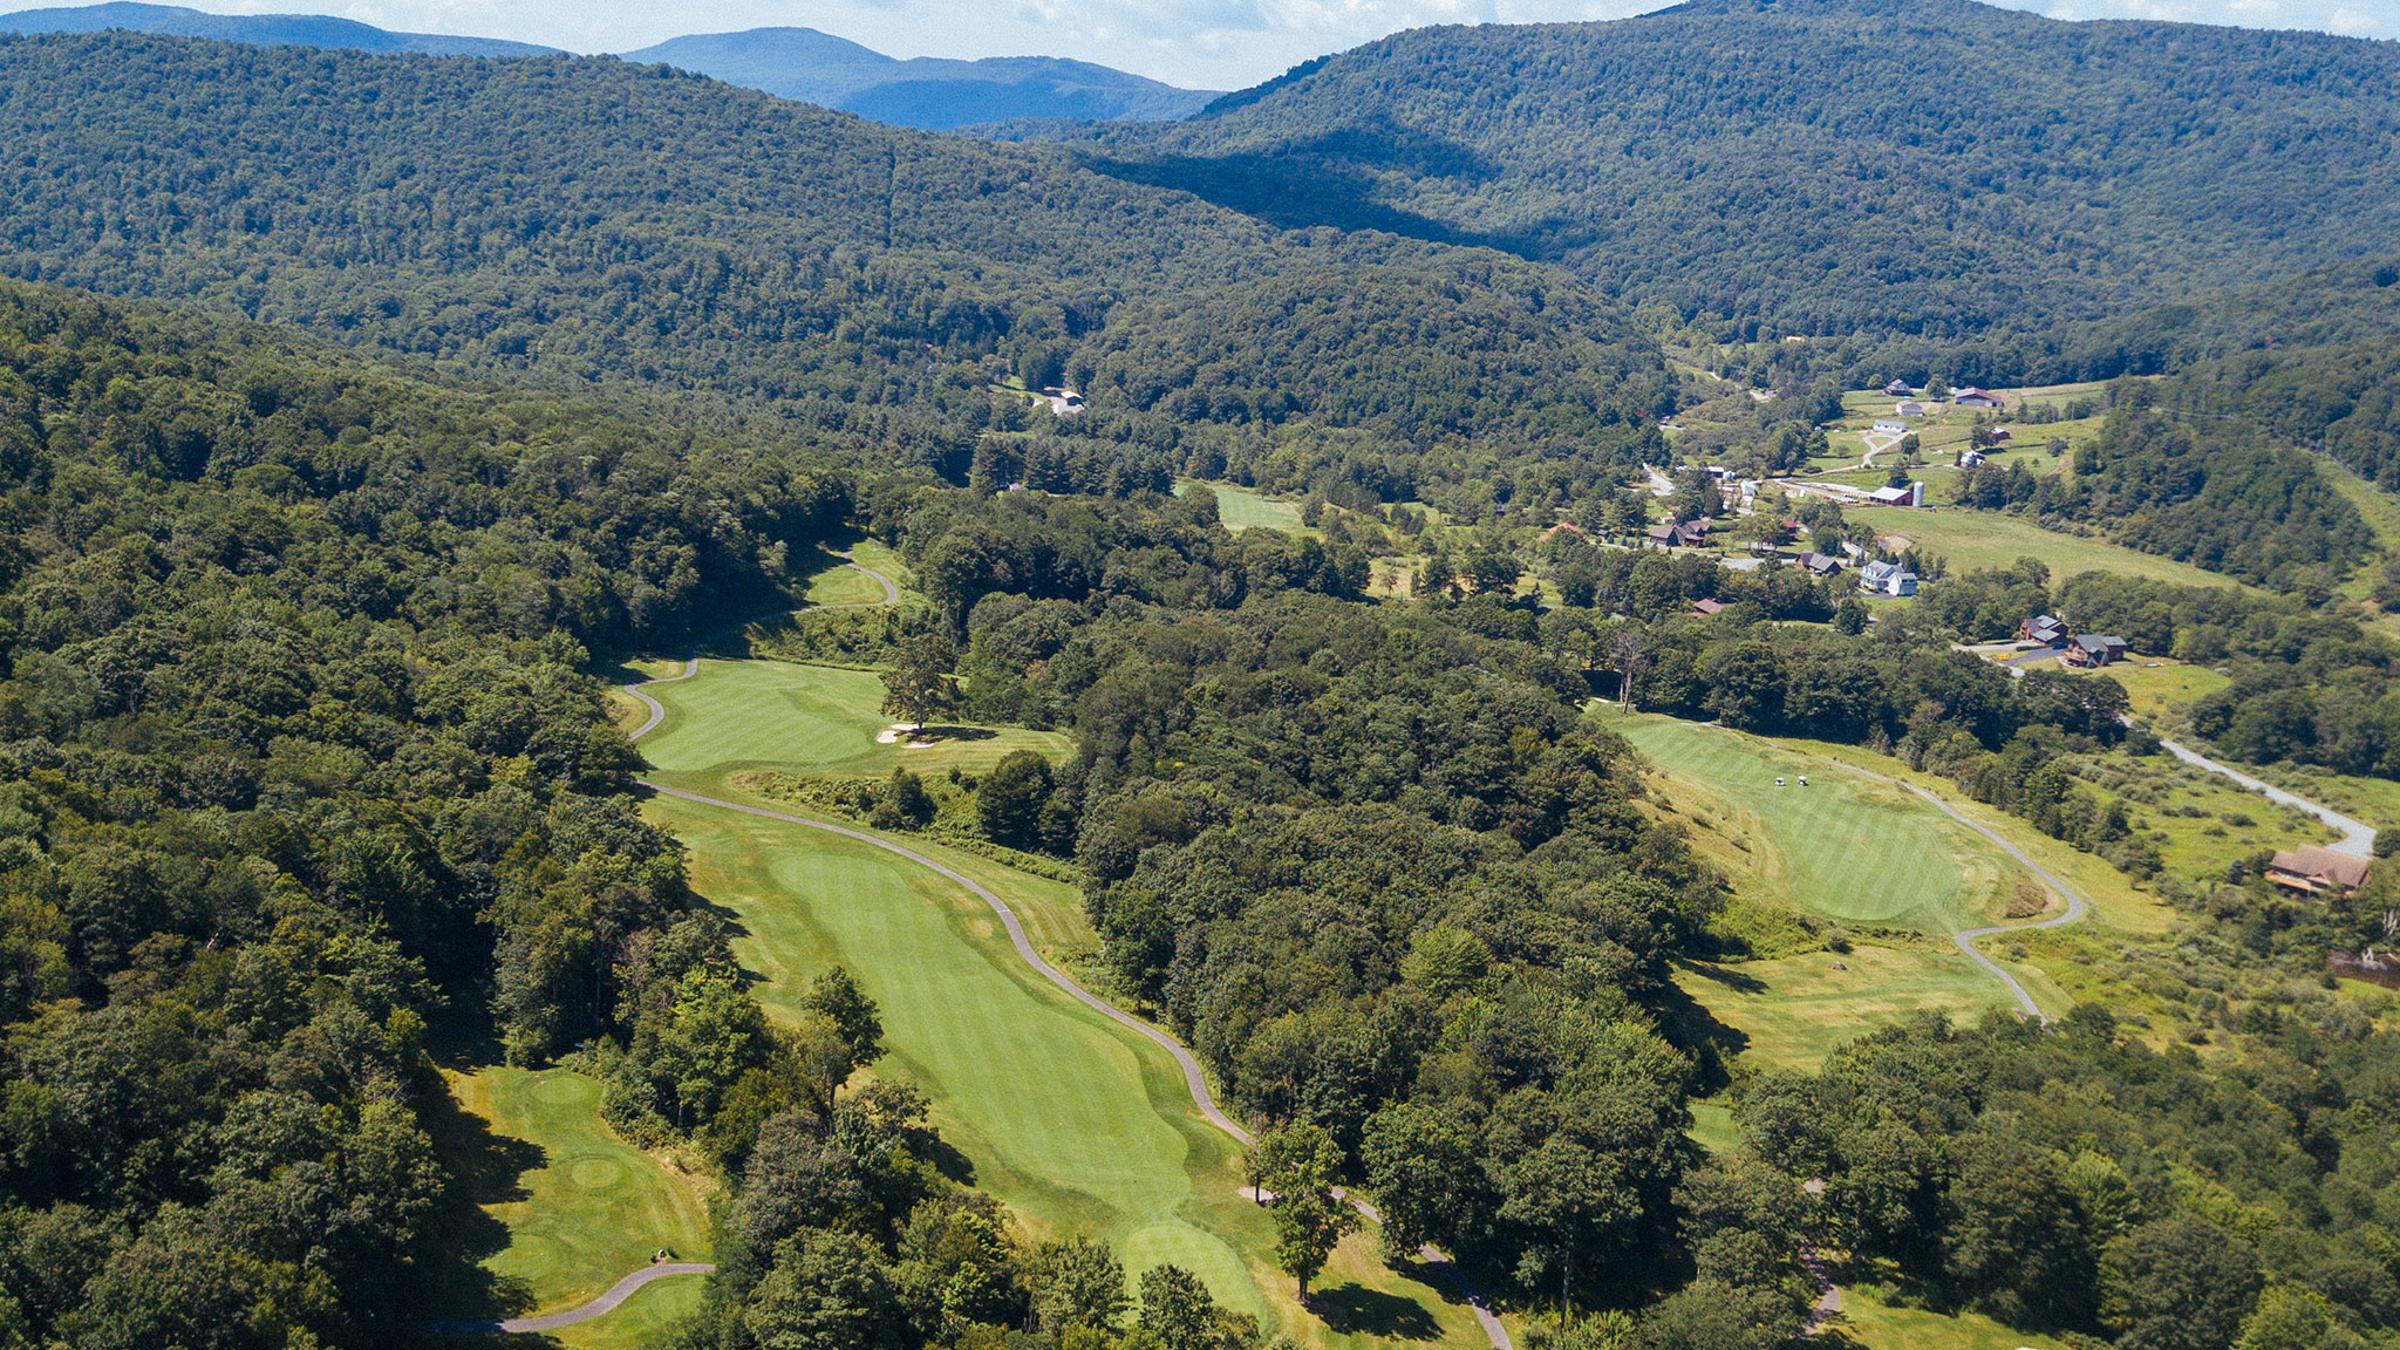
pixel 563 1206
pixel 738 715
pixel 1981 540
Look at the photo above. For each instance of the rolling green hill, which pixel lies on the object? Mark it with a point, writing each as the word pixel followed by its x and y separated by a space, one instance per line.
pixel 1828 166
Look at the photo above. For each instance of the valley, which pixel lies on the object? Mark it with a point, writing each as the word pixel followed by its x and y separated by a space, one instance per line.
pixel 1716 680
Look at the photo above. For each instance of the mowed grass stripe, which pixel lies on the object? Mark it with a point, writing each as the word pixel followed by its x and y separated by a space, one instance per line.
pixel 1847 847
pixel 1051 1102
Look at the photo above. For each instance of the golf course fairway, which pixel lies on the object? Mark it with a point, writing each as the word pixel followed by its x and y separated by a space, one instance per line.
pixel 1078 1124
pixel 1860 851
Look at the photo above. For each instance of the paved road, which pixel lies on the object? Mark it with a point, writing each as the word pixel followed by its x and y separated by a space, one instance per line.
pixel 606 1303
pixel 1194 1079
pixel 2358 837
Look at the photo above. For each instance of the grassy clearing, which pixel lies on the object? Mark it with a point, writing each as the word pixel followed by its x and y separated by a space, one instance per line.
pixel 1978 540
pixel 2160 686
pixel 738 715
pixel 2115 903
pixel 2202 823
pixel 1845 848
pixel 563 1206
pixel 1075 1123
pixel 1242 508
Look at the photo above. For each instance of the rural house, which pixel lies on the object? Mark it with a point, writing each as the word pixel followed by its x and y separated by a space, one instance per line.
pixel 1702 609
pixel 1680 534
pixel 1898 389
pixel 2046 630
pixel 1819 564
pixel 1891 428
pixel 1969 458
pixel 1887 578
pixel 1911 408
pixel 2090 653
pixel 2312 870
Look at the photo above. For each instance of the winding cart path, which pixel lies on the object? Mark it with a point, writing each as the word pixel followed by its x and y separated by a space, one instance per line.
pixel 1195 1079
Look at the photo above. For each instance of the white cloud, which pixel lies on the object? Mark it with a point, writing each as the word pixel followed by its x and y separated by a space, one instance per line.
pixel 2353 22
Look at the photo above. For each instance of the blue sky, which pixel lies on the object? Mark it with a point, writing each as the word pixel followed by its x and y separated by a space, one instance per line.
pixel 1221 44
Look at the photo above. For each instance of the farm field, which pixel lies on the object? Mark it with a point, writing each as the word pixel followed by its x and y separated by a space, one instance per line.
pixel 564 1206
pixel 1077 1124
pixel 738 715
pixel 1977 540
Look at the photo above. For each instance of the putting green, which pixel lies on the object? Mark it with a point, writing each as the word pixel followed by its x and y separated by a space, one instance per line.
pixel 1077 1124
pixel 1849 847
pixel 739 715
pixel 579 1207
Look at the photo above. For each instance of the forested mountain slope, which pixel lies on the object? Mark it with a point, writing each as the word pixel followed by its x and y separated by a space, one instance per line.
pixel 1826 166
pixel 267 30
pixel 296 761
pixel 585 220
pixel 928 92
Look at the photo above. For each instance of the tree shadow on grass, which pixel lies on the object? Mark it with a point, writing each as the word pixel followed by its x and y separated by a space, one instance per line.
pixel 485 1168
pixel 1355 1310
pixel 1693 1028
pixel 938 733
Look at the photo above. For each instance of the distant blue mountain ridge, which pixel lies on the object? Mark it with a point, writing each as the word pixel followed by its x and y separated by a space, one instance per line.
pixel 931 93
pixel 264 30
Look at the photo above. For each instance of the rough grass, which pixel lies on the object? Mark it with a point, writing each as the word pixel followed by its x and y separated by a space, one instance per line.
pixel 1979 540
pixel 1793 1011
pixel 813 719
pixel 1077 1124
pixel 2159 686
pixel 1869 1321
pixel 563 1205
